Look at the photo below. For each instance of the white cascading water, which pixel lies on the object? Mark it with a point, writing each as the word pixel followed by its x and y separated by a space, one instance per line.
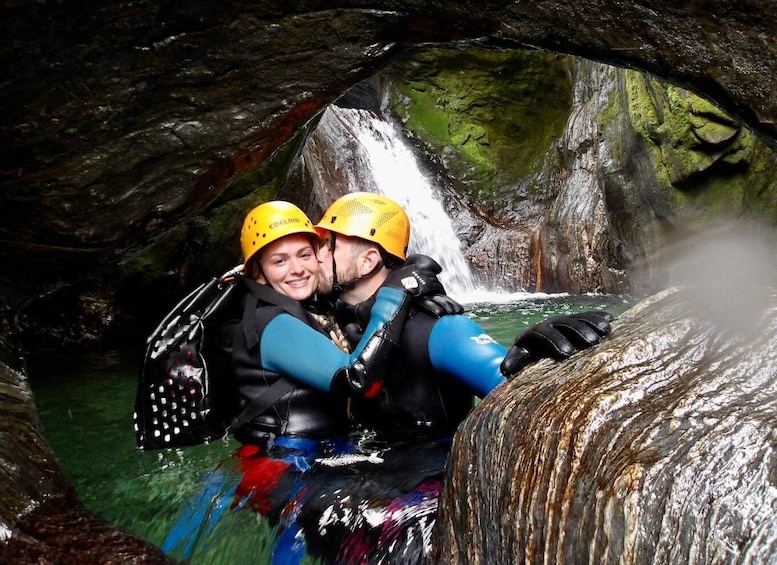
pixel 384 153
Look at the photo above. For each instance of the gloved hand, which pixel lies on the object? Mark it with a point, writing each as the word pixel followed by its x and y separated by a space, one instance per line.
pixel 356 380
pixel 356 317
pixel 557 338
pixel 417 276
pixel 438 305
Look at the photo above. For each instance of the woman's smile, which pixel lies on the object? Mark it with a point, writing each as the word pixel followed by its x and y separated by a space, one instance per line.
pixel 290 266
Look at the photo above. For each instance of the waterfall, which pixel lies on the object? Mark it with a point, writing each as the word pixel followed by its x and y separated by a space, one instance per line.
pixel 381 160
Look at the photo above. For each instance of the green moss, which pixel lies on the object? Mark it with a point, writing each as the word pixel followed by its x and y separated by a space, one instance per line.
pixel 709 166
pixel 611 112
pixel 491 114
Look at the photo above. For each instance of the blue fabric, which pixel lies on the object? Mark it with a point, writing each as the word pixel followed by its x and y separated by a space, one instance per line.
pixel 291 347
pixel 290 546
pixel 299 443
pixel 201 517
pixel 462 349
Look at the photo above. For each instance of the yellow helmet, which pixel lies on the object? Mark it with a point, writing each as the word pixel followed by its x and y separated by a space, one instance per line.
pixel 269 222
pixel 369 216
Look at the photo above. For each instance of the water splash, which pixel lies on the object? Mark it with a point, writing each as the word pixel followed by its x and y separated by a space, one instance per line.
pixel 384 154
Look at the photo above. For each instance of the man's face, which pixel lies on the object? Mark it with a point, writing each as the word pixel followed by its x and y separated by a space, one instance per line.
pixel 324 255
pixel 346 254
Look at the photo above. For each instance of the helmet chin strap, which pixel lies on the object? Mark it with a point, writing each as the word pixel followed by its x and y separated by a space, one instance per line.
pixel 339 287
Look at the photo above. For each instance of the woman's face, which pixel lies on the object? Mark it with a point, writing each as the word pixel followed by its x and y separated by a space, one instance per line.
pixel 290 266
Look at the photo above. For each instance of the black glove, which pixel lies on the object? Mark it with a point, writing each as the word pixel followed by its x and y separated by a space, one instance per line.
pixel 557 337
pixel 354 318
pixel 357 379
pixel 417 276
pixel 438 305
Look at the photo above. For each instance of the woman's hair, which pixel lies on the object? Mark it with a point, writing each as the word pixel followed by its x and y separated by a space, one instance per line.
pixel 253 269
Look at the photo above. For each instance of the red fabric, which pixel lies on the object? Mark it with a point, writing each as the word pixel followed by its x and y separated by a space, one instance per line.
pixel 261 476
pixel 374 389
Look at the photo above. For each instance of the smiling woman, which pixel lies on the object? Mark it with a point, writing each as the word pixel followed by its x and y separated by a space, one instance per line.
pixel 279 247
pixel 291 267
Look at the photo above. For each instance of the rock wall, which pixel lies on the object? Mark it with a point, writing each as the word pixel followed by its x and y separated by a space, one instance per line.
pixel 124 121
pixel 41 518
pixel 587 204
pixel 655 447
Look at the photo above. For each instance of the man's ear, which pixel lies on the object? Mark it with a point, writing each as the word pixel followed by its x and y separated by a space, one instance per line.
pixel 368 260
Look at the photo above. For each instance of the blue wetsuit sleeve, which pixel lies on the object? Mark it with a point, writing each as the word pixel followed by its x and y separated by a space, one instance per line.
pixel 290 347
pixel 462 349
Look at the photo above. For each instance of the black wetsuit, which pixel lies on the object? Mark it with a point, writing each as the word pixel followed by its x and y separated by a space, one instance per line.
pixel 272 344
pixel 441 365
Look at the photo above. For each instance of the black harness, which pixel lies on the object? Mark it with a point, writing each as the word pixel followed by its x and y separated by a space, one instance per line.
pixel 260 293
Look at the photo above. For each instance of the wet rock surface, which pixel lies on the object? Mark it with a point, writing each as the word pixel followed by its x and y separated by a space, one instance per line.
pixel 63 531
pixel 655 447
pixel 41 519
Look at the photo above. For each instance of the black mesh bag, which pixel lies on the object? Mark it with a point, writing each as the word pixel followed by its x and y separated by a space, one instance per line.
pixel 186 391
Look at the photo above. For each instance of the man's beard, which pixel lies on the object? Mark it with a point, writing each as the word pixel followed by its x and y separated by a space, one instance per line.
pixel 325 284
pixel 326 280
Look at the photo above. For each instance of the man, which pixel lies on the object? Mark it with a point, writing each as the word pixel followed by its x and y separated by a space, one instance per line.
pixel 444 358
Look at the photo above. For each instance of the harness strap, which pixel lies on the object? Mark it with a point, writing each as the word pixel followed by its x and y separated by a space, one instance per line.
pixel 249 325
pixel 263 402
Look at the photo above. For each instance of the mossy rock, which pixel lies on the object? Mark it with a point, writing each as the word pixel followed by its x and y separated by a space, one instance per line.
pixel 710 166
pixel 490 114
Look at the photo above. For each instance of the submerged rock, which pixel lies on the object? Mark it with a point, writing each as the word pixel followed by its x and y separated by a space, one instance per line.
pixel 655 447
